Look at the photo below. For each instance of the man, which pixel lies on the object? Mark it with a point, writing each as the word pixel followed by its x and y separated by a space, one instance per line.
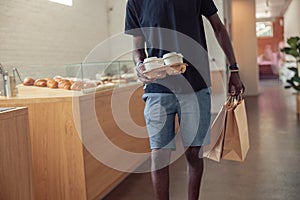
pixel 159 27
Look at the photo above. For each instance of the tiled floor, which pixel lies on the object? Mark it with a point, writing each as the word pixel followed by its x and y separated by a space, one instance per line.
pixel 270 172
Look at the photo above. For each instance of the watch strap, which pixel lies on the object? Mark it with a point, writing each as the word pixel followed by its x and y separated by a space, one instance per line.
pixel 138 64
pixel 234 66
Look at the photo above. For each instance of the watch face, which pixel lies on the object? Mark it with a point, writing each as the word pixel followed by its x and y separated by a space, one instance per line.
pixel 234 66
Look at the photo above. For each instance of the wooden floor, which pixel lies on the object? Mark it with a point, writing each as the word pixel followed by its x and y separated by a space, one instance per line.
pixel 270 172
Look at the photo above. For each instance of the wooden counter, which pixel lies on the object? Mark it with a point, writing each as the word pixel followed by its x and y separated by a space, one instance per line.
pixel 15 156
pixel 59 121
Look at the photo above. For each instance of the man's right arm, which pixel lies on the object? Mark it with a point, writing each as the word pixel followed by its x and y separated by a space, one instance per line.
pixel 139 49
pixel 139 54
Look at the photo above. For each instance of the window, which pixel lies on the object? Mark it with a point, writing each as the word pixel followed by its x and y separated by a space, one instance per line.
pixel 264 29
pixel 64 2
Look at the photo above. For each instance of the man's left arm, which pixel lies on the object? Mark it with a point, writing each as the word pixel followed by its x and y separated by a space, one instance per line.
pixel 235 86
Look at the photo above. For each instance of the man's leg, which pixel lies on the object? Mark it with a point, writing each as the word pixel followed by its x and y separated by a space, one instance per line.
pixel 160 173
pixel 195 171
pixel 194 115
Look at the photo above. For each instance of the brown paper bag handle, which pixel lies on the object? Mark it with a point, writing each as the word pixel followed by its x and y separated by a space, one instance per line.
pixel 234 100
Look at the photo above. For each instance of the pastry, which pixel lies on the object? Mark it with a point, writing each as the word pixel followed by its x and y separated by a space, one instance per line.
pixel 115 77
pixel 28 81
pixel 119 81
pixel 99 83
pixel 64 84
pixel 90 85
pixel 52 83
pixel 106 78
pixel 129 77
pixel 57 78
pixel 77 86
pixel 40 83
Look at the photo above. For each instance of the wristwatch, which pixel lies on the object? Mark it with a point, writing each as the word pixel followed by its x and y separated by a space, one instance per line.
pixel 234 67
pixel 138 64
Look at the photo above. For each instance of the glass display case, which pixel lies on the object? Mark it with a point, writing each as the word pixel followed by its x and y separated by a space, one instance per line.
pixel 101 75
pixel 81 77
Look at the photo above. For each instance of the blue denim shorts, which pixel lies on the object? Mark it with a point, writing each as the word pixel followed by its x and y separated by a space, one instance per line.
pixel 194 115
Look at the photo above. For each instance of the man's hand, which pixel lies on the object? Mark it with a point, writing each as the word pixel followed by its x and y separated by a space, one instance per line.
pixel 138 56
pixel 139 70
pixel 235 85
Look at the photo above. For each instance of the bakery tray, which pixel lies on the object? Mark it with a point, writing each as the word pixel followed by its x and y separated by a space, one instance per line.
pixel 161 72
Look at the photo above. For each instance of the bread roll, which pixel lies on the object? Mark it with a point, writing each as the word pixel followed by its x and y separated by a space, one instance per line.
pixel 77 86
pixel 99 83
pixel 40 83
pixel 64 84
pixel 67 86
pixel 28 81
pixel 52 83
pixel 115 77
pixel 106 78
pixel 90 85
pixel 119 81
pixel 64 81
pixel 57 78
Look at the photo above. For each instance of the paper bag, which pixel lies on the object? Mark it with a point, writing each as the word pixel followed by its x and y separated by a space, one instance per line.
pixel 236 135
pixel 213 151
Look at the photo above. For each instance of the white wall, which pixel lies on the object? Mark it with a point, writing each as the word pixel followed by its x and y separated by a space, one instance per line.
pixel 116 13
pixel 39 33
pixel 219 82
pixel 291 20
pixel 245 42
pixel 116 25
pixel 214 49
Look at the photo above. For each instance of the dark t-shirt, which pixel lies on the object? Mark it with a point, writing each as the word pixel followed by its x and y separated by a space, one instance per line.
pixel 173 25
